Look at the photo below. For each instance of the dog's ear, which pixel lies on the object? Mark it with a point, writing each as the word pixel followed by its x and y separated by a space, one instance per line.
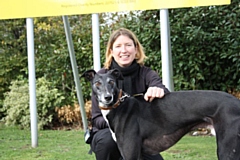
pixel 116 73
pixel 89 75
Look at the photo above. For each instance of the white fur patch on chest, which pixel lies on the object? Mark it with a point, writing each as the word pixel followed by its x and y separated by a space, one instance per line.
pixel 105 113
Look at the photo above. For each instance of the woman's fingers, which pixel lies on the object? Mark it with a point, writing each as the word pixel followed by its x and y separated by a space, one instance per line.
pixel 153 92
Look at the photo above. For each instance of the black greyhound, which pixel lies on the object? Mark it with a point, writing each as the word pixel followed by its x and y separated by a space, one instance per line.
pixel 152 127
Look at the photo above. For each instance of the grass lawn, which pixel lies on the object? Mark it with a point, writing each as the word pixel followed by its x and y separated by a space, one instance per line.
pixel 15 144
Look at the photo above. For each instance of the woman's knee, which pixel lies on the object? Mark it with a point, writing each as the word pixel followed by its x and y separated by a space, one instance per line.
pixel 104 146
pixel 103 139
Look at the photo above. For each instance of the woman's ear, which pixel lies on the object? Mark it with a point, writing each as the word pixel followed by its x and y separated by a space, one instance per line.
pixel 111 51
pixel 137 56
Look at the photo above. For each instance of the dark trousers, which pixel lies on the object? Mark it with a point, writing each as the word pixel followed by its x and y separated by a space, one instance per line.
pixel 105 148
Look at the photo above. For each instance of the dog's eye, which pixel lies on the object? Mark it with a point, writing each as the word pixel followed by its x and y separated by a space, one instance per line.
pixel 111 82
pixel 97 84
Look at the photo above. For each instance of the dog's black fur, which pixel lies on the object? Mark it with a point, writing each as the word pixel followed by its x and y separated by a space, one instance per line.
pixel 152 127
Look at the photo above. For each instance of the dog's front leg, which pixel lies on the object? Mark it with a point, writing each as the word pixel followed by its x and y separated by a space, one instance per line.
pixel 130 147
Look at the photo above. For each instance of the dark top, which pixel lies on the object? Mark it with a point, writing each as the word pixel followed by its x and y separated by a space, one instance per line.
pixel 144 79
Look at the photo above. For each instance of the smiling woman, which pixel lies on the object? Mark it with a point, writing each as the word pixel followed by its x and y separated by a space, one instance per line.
pixel 124 53
pixel 123 40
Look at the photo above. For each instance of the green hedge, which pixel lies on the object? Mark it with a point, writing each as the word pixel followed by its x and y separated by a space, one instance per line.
pixel 206 47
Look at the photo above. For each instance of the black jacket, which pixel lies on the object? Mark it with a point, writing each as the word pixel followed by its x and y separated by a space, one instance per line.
pixel 145 79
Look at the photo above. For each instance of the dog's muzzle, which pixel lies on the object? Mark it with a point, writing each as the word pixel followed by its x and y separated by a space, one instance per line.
pixel 120 99
pixel 106 100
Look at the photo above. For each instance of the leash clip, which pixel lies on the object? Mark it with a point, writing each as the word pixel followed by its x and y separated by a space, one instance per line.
pixel 123 97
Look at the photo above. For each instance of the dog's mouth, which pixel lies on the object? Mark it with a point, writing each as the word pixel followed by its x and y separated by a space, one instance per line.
pixel 104 106
pixel 106 102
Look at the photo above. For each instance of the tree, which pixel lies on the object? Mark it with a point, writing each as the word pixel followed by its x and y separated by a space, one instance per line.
pixel 13 60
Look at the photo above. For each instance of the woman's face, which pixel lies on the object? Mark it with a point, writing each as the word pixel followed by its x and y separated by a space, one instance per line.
pixel 123 51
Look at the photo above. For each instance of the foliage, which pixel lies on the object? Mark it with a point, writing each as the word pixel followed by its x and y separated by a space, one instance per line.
pixel 13 54
pixel 16 103
pixel 206 48
pixel 52 57
pixel 71 115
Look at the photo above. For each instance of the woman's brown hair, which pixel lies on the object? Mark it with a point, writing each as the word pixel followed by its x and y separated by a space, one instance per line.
pixel 140 56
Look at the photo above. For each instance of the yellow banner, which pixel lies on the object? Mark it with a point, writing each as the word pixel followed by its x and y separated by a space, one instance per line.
pixel 42 8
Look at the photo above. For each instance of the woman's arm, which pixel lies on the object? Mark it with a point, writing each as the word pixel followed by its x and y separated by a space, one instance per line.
pixel 97 118
pixel 155 87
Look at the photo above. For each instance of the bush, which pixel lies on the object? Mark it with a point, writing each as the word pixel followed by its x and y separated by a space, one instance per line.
pixel 71 115
pixel 16 103
pixel 205 47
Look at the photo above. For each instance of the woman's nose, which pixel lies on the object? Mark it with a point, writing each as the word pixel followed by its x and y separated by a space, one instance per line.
pixel 123 48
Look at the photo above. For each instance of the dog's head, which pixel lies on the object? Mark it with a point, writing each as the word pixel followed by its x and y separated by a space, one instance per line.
pixel 104 86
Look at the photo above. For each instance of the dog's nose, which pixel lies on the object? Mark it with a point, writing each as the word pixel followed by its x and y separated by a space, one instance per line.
pixel 108 98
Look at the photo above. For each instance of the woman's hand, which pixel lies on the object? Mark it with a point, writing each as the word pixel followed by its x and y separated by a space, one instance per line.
pixel 153 92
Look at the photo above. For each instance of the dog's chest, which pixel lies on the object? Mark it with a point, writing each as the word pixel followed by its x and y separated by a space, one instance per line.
pixel 105 113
